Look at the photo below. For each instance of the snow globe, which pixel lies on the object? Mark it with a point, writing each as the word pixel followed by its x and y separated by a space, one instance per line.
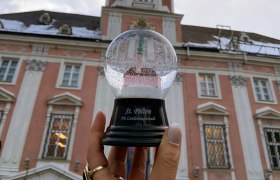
pixel 140 66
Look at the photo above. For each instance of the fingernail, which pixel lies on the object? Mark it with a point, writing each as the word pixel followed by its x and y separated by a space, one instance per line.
pixel 174 133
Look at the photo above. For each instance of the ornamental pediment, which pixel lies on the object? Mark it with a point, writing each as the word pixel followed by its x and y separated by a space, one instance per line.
pixel 47 172
pixel 267 113
pixel 6 96
pixel 66 99
pixel 211 108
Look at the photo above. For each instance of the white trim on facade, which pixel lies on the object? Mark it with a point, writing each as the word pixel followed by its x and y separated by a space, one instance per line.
pixel 62 70
pixel 174 103
pixel 20 59
pixel 221 111
pixel 104 101
pixel 271 90
pixel 251 154
pixel 48 171
pixel 55 101
pixel 267 113
pixel 114 25
pixel 169 29
pixel 216 84
pixel 12 150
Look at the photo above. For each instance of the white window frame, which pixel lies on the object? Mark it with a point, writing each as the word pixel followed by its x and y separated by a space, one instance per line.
pixel 267 117
pixel 7 102
pixel 224 142
pixel 62 71
pixel 15 75
pixel 272 99
pixel 274 143
pixel 218 110
pixel 59 131
pixel 62 162
pixel 216 86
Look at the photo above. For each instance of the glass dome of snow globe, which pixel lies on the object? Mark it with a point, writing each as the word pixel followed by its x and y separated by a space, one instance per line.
pixel 140 67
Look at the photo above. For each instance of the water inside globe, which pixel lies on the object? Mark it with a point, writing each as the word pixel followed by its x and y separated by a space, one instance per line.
pixel 140 64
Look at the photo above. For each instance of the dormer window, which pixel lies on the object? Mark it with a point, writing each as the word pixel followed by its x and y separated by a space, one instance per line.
pixel 45 18
pixel 65 29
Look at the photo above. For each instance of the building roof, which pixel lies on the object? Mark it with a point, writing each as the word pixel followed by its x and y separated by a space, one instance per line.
pixel 224 39
pixel 84 26
pixel 29 22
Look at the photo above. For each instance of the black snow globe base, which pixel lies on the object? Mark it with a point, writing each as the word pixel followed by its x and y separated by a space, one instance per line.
pixel 136 122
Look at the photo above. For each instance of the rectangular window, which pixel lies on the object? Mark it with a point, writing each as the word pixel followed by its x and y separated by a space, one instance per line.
pixel 71 75
pixel 216 146
pixel 8 69
pixel 272 137
pixel 208 85
pixel 58 135
pixel 262 89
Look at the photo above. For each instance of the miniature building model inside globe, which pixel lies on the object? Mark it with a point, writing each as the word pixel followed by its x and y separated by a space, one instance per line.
pixel 140 63
pixel 140 67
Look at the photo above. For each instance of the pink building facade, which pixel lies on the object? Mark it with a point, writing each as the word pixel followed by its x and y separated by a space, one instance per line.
pixel 225 97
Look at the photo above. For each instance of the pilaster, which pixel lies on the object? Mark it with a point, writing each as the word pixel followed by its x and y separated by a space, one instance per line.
pixel 246 125
pixel 175 113
pixel 16 135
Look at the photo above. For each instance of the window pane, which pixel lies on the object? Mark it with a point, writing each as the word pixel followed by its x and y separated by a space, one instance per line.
pixel 7 70
pixel 71 75
pixel 207 85
pixel 58 136
pixel 262 89
pixel 216 146
pixel 269 136
pixel 273 145
pixel 277 137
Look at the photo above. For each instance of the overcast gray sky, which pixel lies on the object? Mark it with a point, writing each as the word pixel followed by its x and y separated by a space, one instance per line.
pixel 259 16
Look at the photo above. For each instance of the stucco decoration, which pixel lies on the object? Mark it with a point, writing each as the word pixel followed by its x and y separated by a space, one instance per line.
pixel 238 80
pixel 141 24
pixel 179 77
pixel 45 18
pixel 65 29
pixel 35 65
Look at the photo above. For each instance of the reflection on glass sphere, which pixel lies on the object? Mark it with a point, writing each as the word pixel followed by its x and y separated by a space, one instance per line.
pixel 140 64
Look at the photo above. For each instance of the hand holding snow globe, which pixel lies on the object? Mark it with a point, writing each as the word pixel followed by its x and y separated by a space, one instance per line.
pixel 140 67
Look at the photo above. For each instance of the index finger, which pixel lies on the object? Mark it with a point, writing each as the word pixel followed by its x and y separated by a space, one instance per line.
pixel 95 154
pixel 168 155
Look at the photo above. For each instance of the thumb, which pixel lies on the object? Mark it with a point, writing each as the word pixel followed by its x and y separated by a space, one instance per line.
pixel 168 155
